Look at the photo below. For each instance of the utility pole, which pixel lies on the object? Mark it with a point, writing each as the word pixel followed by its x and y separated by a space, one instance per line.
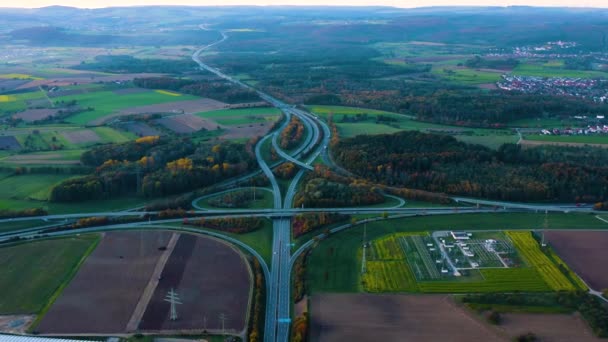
pixel 364 260
pixel 223 320
pixel 173 298
pixel 545 227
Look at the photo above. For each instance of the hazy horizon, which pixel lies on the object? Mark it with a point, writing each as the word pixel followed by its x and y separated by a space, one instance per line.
pixel 349 3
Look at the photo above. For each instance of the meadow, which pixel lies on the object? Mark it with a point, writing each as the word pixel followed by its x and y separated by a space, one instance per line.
pixel 242 116
pixel 28 187
pixel 33 272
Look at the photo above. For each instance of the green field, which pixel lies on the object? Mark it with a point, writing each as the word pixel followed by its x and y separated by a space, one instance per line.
pixel 18 102
pixel 580 139
pixel 33 272
pixel 242 116
pixel 31 186
pixel 528 69
pixel 335 264
pixel 18 225
pixel 107 102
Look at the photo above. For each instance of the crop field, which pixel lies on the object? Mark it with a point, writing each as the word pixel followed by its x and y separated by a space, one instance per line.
pixel 111 281
pixel 242 116
pixel 61 157
pixel 187 271
pixel 19 102
pixel 528 69
pixel 32 186
pixel 32 272
pixel 530 250
pixel 585 252
pixel 107 102
pixel 548 327
pixel 186 123
pixel 140 129
pixel 366 317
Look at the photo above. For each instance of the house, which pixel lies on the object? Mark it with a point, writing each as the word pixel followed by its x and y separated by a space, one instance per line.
pixel 460 235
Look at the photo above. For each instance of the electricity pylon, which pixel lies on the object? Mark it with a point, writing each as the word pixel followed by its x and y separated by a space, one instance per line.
pixel 173 298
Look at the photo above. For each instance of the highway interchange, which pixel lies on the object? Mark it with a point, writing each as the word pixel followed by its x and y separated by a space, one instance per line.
pixel 277 274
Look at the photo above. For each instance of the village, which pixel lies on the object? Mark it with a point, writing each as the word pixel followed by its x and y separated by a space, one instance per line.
pixel 587 88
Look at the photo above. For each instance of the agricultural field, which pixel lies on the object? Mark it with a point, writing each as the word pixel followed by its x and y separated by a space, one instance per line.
pixel 547 327
pixel 111 280
pixel 540 70
pixel 242 116
pixel 339 317
pixel 107 102
pixel 34 187
pixel 335 264
pixel 186 123
pixel 188 271
pixel 548 269
pixel 33 272
pixel 584 252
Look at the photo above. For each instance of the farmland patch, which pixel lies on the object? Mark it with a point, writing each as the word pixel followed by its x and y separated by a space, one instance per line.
pixel 36 114
pixel 104 293
pixel 187 123
pixel 585 252
pixel 81 136
pixel 367 317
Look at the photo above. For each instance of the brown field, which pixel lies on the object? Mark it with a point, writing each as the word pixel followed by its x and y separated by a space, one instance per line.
pixel 365 317
pixel 35 114
pixel 9 143
pixel 533 143
pixel 141 129
pixel 253 130
pixel 585 253
pixel 104 293
pixel 9 84
pixel 210 278
pixel 187 123
pixel 547 327
pixel 181 107
pixel 81 136
pixel 490 86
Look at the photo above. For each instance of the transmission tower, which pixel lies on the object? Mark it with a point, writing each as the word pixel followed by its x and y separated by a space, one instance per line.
pixel 364 261
pixel 545 227
pixel 223 320
pixel 173 298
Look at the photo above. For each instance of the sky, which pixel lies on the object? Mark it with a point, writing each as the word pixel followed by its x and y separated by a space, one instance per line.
pixel 395 3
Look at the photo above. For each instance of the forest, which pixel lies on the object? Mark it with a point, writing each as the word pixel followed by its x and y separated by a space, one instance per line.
pixel 324 193
pixel 440 163
pixel 153 166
